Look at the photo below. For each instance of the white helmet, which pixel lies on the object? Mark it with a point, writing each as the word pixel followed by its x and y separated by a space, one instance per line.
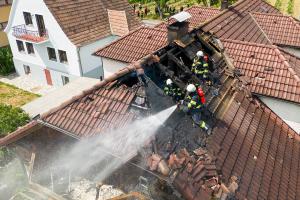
pixel 200 54
pixel 169 82
pixel 191 88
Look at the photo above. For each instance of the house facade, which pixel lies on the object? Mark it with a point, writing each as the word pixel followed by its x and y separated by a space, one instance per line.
pixel 5 6
pixel 53 40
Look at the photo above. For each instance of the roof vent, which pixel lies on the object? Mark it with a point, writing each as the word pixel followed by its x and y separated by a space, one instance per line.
pixel 149 37
pixel 252 56
pixel 275 22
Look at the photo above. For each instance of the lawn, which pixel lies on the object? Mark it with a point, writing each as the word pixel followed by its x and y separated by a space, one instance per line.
pixel 14 96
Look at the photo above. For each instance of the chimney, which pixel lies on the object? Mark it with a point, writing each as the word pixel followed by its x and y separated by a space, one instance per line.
pixel 179 26
pixel 224 4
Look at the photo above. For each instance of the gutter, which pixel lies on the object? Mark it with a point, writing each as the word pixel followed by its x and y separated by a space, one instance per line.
pixel 58 129
pixel 79 60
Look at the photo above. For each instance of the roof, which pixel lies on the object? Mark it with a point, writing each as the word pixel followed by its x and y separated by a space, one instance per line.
pixel 45 103
pixel 293 60
pixel 255 145
pixel 87 21
pixel 103 109
pixel 280 29
pixel 235 22
pixel 145 40
pixel 135 45
pixel 269 71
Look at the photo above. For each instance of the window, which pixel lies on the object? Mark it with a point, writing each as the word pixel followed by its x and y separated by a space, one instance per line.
pixel 27 18
pixel 26 69
pixel 51 54
pixel 30 49
pixel 62 56
pixel 20 46
pixel 65 80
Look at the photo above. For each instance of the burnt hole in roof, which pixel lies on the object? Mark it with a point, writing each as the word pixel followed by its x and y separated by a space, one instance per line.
pixel 129 80
pixel 88 99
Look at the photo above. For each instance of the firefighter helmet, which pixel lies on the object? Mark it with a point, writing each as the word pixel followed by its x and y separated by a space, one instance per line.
pixel 191 88
pixel 200 54
pixel 169 82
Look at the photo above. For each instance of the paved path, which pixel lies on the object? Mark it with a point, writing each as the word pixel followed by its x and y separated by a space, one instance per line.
pixel 26 82
pixel 151 23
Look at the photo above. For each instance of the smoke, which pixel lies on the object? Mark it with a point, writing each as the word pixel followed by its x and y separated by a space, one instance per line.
pixel 110 150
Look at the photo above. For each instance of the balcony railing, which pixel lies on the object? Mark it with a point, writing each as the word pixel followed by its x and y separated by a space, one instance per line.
pixel 22 32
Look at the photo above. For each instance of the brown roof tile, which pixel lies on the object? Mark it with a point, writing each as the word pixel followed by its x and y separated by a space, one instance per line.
pixel 280 29
pixel 87 21
pixel 236 23
pixel 259 148
pixel 135 45
pixel 268 69
pixel 146 40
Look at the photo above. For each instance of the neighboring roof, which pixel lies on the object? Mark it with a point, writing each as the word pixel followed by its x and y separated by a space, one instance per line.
pixel 103 109
pixel 87 21
pixel 269 72
pixel 280 29
pixel 235 21
pixel 145 40
pixel 58 96
pixel 135 45
pixel 255 145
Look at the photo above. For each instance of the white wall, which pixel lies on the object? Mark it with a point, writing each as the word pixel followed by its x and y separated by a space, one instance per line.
pixel 111 66
pixel 288 111
pixel 294 51
pixel 92 65
pixel 57 39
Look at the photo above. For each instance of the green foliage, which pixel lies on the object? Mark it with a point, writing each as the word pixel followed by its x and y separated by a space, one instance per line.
pixel 290 7
pixel 278 4
pixel 11 118
pixel 6 61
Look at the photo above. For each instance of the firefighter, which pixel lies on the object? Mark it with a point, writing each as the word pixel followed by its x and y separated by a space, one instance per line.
pixel 195 100
pixel 196 66
pixel 172 90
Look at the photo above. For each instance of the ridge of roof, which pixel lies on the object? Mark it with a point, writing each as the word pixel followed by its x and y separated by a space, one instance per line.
pixel 263 32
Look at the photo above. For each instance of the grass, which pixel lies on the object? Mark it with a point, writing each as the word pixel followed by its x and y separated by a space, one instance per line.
pixel 14 96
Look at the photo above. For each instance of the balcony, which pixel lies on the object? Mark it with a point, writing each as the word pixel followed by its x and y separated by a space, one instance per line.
pixel 23 33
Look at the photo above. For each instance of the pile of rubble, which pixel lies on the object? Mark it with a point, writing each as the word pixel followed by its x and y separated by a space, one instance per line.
pixel 194 175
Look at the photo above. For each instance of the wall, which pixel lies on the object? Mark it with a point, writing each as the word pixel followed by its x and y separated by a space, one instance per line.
pixel 92 65
pixel 294 51
pixel 4 14
pixel 57 39
pixel 288 111
pixel 111 66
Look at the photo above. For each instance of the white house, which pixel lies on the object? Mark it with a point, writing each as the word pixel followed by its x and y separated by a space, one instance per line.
pixel 53 39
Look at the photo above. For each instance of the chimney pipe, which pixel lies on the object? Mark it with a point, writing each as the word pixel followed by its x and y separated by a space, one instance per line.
pixel 224 4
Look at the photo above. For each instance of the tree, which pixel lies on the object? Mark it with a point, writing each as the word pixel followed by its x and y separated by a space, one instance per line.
pixel 6 61
pixel 11 118
pixel 160 4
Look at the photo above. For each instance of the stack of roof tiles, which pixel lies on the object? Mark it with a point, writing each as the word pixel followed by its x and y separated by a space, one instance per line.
pixel 87 21
pixel 145 40
pixel 270 72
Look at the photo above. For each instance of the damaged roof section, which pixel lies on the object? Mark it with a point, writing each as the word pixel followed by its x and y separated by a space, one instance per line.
pixel 269 71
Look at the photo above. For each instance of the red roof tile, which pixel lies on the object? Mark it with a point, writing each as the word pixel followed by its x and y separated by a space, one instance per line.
pixel 87 21
pixel 270 72
pixel 280 29
pixel 235 22
pixel 135 45
pixel 96 112
pixel 254 144
pixel 146 40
